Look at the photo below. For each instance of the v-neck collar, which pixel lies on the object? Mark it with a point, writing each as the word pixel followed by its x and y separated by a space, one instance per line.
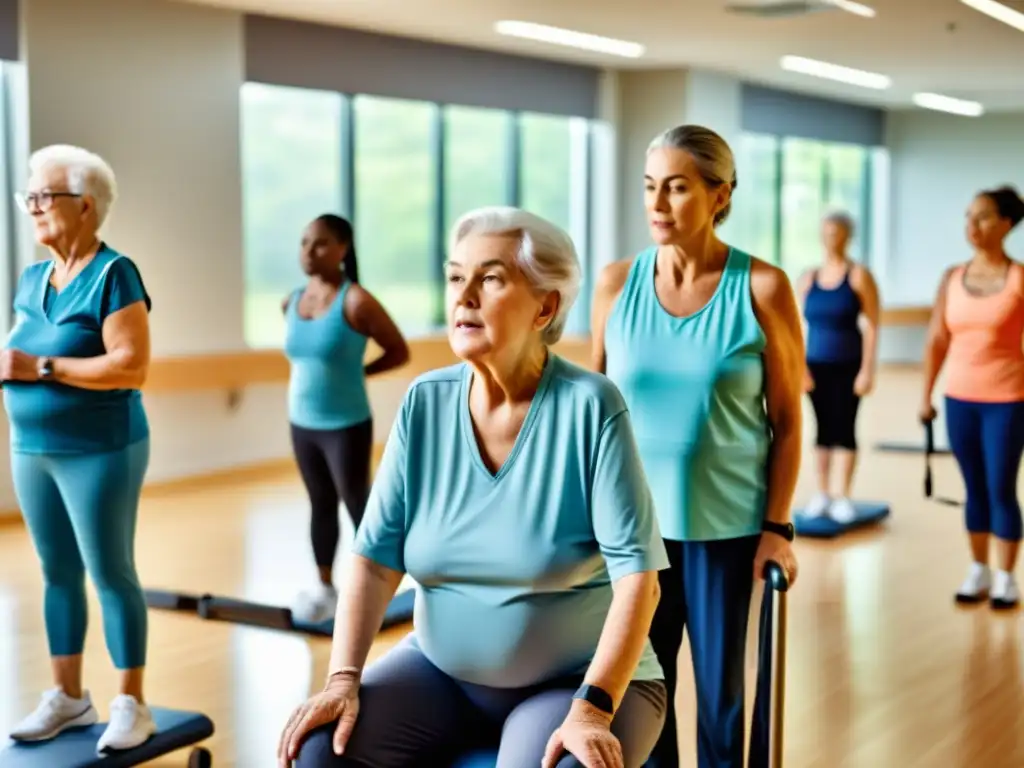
pixel 48 286
pixel 469 435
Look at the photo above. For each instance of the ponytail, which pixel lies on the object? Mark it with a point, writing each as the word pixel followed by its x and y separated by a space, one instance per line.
pixel 351 265
pixel 341 229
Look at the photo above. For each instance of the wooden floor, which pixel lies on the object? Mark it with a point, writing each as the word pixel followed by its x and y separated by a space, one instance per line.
pixel 884 671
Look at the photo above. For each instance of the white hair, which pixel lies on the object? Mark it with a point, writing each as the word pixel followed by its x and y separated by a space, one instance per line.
pixel 546 254
pixel 87 174
pixel 840 217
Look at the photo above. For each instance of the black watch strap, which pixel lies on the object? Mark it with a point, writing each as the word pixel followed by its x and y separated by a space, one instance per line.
pixel 785 530
pixel 596 696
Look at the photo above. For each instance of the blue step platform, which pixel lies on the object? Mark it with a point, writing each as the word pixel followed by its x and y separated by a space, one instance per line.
pixel 76 748
pixel 218 608
pixel 824 527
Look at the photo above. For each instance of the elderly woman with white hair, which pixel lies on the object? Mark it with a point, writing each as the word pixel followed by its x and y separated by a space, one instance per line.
pixel 71 369
pixel 841 310
pixel 511 491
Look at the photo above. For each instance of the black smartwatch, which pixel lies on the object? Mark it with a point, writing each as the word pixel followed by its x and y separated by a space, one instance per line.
pixel 785 530
pixel 596 696
pixel 45 368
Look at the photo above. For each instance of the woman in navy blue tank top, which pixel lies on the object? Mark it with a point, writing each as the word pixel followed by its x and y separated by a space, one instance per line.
pixel 841 308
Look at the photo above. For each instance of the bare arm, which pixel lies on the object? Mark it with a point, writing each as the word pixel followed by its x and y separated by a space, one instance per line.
pixel 863 284
pixel 369 318
pixel 776 310
pixel 609 286
pixel 126 361
pixel 623 637
pixel 361 614
pixel 937 344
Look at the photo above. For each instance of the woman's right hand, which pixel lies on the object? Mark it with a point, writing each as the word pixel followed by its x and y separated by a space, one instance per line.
pixel 338 702
pixel 927 412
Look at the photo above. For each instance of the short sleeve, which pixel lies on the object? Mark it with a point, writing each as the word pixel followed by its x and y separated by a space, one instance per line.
pixel 381 533
pixel 622 507
pixel 123 286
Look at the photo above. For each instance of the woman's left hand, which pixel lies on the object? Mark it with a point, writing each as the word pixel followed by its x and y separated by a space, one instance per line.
pixel 864 383
pixel 775 548
pixel 16 365
pixel 587 736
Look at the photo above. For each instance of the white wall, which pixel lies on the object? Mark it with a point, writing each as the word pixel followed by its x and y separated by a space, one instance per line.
pixel 154 87
pixel 938 163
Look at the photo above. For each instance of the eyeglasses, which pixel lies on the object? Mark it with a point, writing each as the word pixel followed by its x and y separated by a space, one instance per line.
pixel 39 202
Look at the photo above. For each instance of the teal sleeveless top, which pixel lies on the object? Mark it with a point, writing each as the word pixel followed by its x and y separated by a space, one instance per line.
pixel 695 390
pixel 327 385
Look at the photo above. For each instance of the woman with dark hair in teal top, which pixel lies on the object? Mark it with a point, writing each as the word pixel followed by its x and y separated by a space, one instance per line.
pixel 72 368
pixel 511 491
pixel 705 343
pixel 328 324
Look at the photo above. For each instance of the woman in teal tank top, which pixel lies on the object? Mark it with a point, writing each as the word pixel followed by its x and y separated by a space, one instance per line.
pixel 328 324
pixel 705 343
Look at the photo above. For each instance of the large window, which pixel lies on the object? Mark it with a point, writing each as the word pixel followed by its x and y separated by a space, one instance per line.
pixel 786 185
pixel 477 160
pixel 404 171
pixel 292 142
pixel 395 201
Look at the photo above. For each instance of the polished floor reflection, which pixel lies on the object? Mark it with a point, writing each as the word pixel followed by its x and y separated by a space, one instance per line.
pixel 884 671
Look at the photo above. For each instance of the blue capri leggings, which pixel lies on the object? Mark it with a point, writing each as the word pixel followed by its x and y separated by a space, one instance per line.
pixel 987 440
pixel 81 510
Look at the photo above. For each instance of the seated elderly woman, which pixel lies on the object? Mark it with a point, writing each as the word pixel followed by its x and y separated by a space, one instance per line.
pixel 72 368
pixel 511 491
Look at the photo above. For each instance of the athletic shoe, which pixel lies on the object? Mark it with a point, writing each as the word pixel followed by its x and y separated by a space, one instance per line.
pixel 843 511
pixel 316 606
pixel 1004 591
pixel 817 506
pixel 131 724
pixel 55 714
pixel 976 586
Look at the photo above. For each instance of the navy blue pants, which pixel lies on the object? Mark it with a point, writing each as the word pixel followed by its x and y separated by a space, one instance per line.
pixel 413 715
pixel 987 440
pixel 706 592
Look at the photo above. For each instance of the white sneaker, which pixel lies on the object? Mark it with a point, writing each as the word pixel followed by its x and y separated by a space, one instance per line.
pixel 976 586
pixel 1005 593
pixel 817 506
pixel 131 724
pixel 55 714
pixel 843 511
pixel 316 606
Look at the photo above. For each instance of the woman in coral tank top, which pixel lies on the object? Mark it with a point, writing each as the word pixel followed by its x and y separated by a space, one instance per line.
pixel 977 328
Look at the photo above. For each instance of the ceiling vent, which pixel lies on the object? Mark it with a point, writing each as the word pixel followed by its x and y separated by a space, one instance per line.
pixel 773 9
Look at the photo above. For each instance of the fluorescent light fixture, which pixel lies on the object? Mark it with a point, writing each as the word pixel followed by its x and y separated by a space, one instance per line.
pixel 997 11
pixel 568 37
pixel 948 104
pixel 835 72
pixel 857 9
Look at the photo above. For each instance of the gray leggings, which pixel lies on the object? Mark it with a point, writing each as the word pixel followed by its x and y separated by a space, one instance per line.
pixel 412 714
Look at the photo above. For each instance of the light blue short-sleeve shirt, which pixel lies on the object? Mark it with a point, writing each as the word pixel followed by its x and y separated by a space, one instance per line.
pixel 514 568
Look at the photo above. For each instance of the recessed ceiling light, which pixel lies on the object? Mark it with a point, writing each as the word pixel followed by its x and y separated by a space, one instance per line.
pixel 570 38
pixel 858 9
pixel 997 11
pixel 942 103
pixel 835 72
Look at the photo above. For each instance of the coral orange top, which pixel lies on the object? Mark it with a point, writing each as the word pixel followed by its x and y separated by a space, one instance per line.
pixel 985 361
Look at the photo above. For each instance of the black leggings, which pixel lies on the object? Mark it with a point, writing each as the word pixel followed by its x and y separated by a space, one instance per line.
pixel 335 465
pixel 835 403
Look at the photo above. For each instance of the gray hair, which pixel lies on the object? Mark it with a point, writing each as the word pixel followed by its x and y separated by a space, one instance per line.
pixel 710 151
pixel 840 217
pixel 546 254
pixel 87 174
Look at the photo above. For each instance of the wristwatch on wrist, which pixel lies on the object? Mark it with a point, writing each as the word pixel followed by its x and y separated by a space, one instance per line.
pixel 597 697
pixel 785 530
pixel 45 368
